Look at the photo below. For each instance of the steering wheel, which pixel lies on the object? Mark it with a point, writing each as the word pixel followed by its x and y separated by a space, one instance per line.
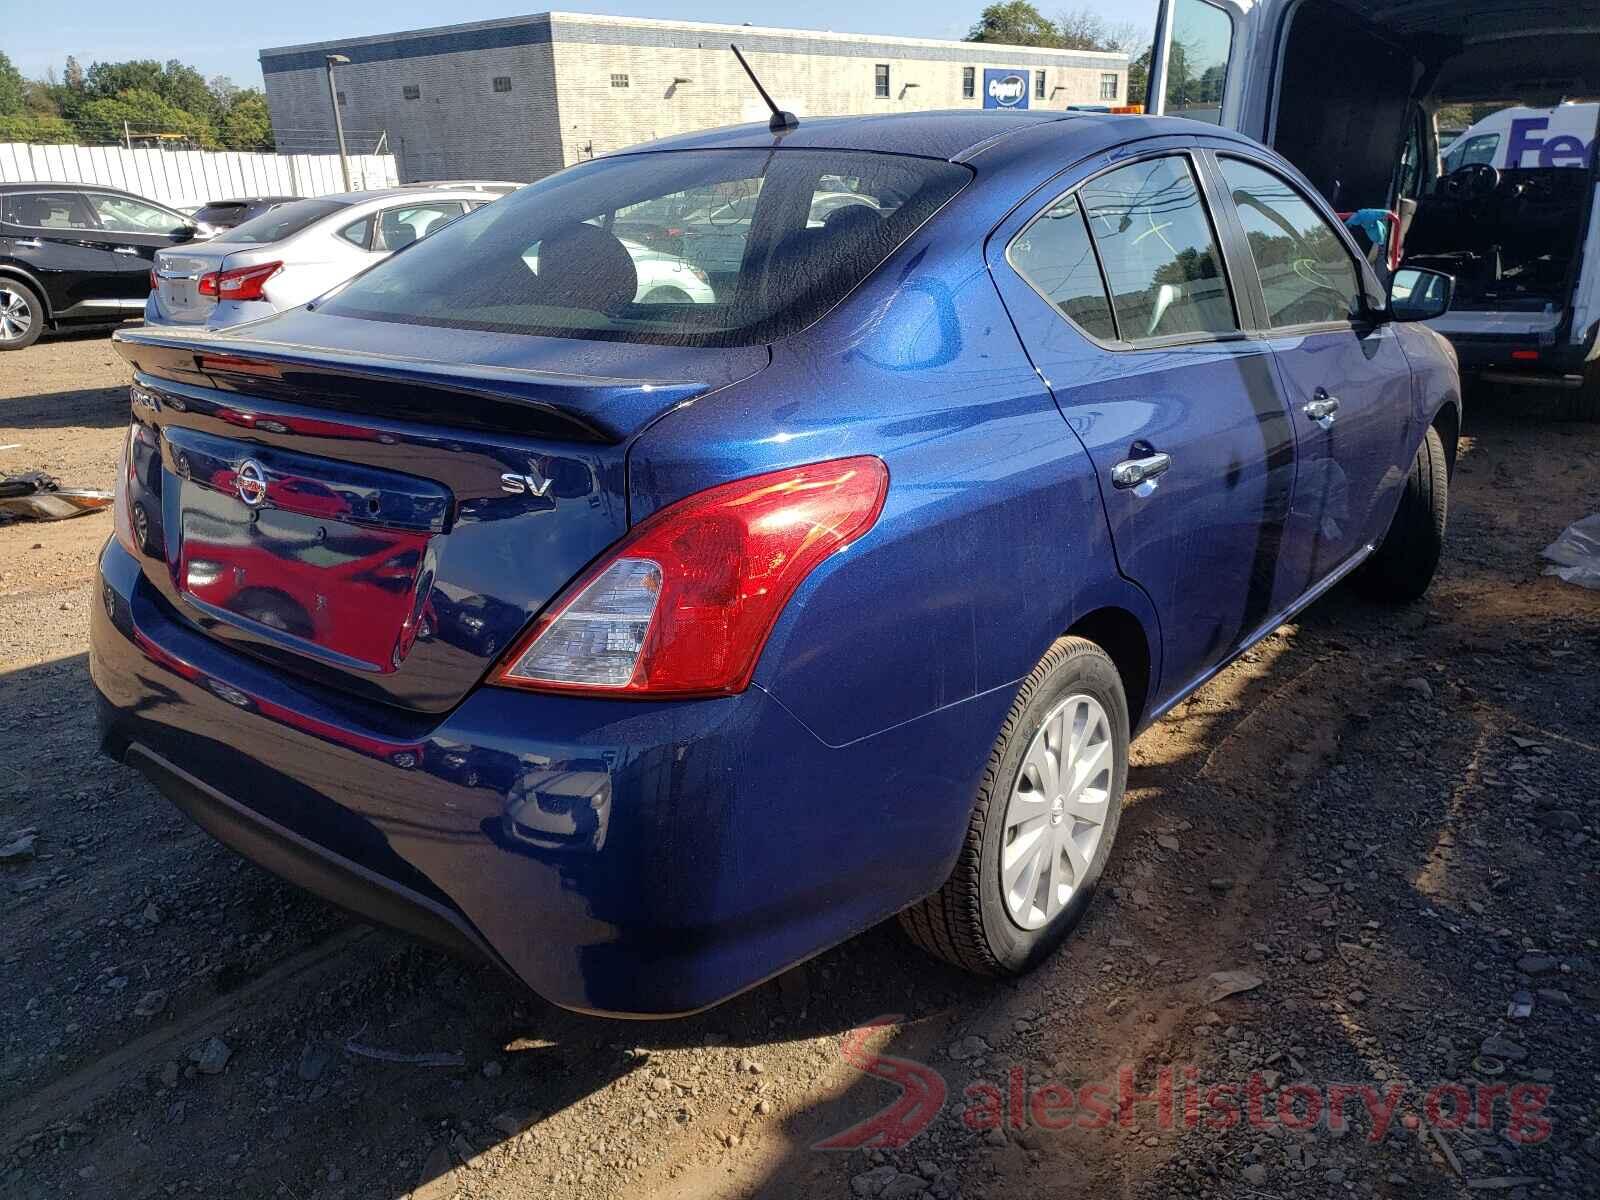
pixel 1471 182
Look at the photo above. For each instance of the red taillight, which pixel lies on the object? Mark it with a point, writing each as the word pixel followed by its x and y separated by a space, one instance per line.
pixel 683 605
pixel 241 283
pixel 1525 355
pixel 154 286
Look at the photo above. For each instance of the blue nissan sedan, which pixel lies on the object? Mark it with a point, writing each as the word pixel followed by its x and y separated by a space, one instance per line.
pixel 650 643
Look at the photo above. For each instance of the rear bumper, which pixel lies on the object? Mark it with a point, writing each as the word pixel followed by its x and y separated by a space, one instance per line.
pixel 221 315
pixel 620 857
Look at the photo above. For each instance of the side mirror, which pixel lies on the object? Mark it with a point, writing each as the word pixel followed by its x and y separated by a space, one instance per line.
pixel 197 231
pixel 1418 294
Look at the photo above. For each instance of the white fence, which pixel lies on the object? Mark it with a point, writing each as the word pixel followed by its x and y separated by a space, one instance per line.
pixel 188 178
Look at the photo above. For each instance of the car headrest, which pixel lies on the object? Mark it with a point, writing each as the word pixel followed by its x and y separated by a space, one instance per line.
pixel 850 219
pixel 583 266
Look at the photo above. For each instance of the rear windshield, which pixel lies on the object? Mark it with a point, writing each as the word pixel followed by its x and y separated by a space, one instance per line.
pixel 281 222
pixel 688 248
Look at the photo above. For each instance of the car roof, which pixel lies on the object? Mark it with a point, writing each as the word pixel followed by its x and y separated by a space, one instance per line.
pixel 77 186
pixel 406 193
pixel 957 135
pixel 252 200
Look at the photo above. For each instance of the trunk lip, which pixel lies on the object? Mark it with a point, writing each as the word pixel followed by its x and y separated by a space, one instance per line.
pixel 496 382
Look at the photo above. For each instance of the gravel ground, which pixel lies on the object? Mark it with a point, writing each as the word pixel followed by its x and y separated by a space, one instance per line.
pixel 1380 823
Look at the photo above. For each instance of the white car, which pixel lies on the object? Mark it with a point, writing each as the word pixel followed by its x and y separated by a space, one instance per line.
pixel 663 278
pixel 294 253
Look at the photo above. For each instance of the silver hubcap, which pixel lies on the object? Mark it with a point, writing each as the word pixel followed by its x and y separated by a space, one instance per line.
pixel 1056 812
pixel 16 318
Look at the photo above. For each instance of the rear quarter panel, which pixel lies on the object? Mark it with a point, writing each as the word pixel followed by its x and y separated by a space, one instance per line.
pixel 992 538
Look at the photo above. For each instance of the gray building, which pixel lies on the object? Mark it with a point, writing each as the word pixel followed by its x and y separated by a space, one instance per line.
pixel 520 97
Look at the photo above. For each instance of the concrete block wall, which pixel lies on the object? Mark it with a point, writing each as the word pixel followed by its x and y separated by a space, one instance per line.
pixel 583 85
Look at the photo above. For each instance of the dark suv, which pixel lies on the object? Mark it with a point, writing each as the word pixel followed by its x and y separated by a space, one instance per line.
pixel 72 253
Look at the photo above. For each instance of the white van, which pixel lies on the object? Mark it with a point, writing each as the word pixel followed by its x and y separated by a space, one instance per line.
pixel 1349 91
pixel 1522 138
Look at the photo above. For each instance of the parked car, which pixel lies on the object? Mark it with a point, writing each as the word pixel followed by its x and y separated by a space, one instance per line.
pixel 840 597
pixel 292 253
pixel 1352 93
pixel 225 214
pixel 75 254
pixel 500 187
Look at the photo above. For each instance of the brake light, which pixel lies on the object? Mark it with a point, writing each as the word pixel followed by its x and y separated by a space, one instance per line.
pixel 241 283
pixel 1525 355
pixel 683 605
pixel 154 286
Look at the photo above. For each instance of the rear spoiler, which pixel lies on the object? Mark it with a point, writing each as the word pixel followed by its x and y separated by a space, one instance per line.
pixel 492 398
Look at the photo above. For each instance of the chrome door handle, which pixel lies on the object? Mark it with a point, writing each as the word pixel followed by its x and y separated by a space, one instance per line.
pixel 123 250
pixel 1134 471
pixel 1322 407
pixel 28 243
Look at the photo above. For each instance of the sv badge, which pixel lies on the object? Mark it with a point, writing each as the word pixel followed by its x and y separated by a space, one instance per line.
pixel 531 484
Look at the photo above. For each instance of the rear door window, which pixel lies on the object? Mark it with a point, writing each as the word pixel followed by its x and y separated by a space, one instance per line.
pixel 1055 256
pixel 1149 222
pixel 47 210
pixel 358 233
pixel 1307 276
pixel 399 227
pixel 122 214
pixel 760 244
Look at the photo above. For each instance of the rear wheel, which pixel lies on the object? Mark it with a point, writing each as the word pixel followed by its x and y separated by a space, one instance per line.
pixel 1402 567
pixel 1042 827
pixel 1584 403
pixel 21 315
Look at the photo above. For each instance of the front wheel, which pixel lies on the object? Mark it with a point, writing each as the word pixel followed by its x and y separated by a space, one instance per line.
pixel 21 315
pixel 1042 827
pixel 1402 567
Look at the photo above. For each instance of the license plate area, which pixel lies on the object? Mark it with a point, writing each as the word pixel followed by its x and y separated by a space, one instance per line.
pixel 324 559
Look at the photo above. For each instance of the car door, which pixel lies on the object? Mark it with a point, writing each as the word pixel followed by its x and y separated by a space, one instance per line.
pixel 1179 408
pixel 54 236
pixel 131 231
pixel 1345 375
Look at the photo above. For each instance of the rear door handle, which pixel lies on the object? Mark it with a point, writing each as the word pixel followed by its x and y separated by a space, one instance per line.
pixel 1321 407
pixel 1132 472
pixel 123 250
pixel 28 243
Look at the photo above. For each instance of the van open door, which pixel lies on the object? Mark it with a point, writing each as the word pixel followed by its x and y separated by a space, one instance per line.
pixel 1199 44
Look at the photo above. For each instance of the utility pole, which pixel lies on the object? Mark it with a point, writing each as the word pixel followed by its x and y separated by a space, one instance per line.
pixel 338 60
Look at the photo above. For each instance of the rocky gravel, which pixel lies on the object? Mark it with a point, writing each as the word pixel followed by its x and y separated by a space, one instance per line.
pixel 1349 929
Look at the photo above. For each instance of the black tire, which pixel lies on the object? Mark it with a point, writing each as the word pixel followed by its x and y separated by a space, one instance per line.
pixel 17 296
pixel 1403 565
pixel 1584 404
pixel 966 922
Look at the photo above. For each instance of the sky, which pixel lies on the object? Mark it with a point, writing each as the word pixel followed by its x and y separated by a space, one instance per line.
pixel 224 40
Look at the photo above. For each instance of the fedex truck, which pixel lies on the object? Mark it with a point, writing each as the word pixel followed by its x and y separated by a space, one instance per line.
pixel 1521 138
pixel 1350 92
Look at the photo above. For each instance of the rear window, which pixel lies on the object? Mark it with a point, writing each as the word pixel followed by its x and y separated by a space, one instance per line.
pixel 281 222
pixel 691 248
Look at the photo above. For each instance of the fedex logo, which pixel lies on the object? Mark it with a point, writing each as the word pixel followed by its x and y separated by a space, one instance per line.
pixel 1563 150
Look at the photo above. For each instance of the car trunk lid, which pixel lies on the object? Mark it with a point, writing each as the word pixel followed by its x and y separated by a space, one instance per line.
pixel 386 525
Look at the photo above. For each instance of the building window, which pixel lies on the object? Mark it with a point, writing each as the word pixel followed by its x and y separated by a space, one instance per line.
pixel 1108 87
pixel 502 83
pixel 969 82
pixel 880 81
pixel 411 92
pixel 341 97
pixel 1038 85
pixel 619 81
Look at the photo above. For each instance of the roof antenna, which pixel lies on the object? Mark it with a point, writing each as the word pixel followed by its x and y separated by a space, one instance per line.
pixel 781 122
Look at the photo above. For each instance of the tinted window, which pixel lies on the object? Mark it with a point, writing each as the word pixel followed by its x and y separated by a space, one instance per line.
pixel 47 210
pixel 221 214
pixel 121 214
pixel 281 222
pixel 358 233
pixel 399 227
pixel 1160 257
pixel 1054 255
pixel 1197 65
pixel 1306 275
pixel 570 255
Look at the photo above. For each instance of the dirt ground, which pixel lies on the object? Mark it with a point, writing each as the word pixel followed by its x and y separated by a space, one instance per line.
pixel 1384 820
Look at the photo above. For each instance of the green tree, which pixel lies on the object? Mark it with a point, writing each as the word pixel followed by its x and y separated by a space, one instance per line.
pixel 38 129
pixel 248 125
pixel 140 111
pixel 13 88
pixel 1014 23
